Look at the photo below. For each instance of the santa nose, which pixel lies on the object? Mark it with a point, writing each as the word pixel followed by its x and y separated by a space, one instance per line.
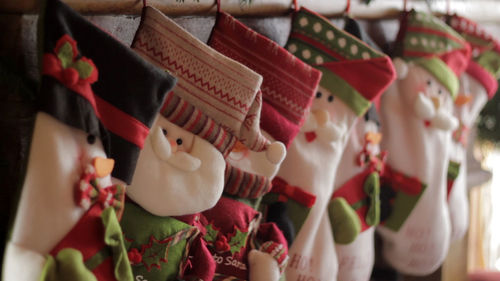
pixel 173 144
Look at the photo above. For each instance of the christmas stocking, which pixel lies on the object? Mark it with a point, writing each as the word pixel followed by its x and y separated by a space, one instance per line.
pixel 258 251
pixel 417 112
pixel 357 192
pixel 180 172
pixel 66 226
pixel 353 75
pixel 477 85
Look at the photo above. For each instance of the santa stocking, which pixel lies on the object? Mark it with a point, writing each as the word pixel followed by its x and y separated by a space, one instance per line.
pixel 417 113
pixel 66 226
pixel 353 74
pixel 180 172
pixel 477 85
pixel 288 88
pixel 357 192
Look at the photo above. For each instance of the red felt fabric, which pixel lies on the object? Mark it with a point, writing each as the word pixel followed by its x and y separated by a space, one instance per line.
pixel 484 77
pixel 369 77
pixel 399 181
pixel 201 264
pixel 296 193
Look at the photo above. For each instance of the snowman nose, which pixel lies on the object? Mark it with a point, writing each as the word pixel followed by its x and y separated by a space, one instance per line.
pixel 436 102
pixel 322 117
pixel 103 166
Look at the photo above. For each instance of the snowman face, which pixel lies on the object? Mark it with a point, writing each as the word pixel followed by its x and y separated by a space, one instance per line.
pixel 177 172
pixel 327 119
pixel 471 99
pixel 263 163
pixel 430 100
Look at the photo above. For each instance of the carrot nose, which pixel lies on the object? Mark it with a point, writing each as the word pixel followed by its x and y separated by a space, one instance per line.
pixel 373 137
pixel 322 117
pixel 239 147
pixel 463 99
pixel 103 166
pixel 436 102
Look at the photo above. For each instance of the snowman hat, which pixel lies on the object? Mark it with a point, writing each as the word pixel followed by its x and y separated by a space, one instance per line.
pixel 430 43
pixel 82 87
pixel 352 70
pixel 220 97
pixel 288 86
pixel 484 64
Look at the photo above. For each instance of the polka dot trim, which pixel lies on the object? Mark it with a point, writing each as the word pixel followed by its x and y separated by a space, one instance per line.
pixel 319 60
pixel 317 27
pixel 306 54
pixel 330 35
pixel 341 42
pixel 303 21
pixel 354 49
pixel 292 48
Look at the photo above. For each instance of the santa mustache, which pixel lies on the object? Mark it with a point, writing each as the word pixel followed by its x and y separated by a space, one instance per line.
pixel 438 116
pixel 179 159
pixel 319 125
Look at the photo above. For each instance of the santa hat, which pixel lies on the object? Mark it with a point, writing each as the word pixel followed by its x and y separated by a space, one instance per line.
pixel 433 45
pixel 484 65
pixel 352 70
pixel 219 97
pixel 288 86
pixel 94 83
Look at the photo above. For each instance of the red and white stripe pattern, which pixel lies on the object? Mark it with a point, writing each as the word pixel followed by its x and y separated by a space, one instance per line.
pixel 244 184
pixel 223 89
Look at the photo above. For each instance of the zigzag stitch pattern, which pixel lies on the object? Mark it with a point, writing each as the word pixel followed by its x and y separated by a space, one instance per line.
pixel 288 103
pixel 186 73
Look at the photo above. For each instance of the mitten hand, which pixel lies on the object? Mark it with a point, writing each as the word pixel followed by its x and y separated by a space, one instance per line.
pixel 344 221
pixel 262 266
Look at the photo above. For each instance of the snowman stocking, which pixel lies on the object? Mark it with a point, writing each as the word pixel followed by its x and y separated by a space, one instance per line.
pixel 66 226
pixel 353 75
pixel 477 85
pixel 288 86
pixel 357 192
pixel 417 112
pixel 180 172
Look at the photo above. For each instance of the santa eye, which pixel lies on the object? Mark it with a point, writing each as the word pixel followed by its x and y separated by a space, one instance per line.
pixel 429 82
pixel 164 131
pixel 440 91
pixel 330 98
pixel 90 139
pixel 178 141
pixel 318 95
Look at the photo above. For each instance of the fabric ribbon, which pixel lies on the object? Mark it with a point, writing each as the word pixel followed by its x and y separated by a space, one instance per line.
pixel 296 193
pixel 88 192
pixel 400 182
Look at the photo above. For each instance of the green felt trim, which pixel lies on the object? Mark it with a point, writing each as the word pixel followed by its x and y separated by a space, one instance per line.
pixel 340 88
pixel 453 170
pixel 84 68
pixel 372 188
pixel 344 221
pixel 67 265
pixel 359 204
pixel 403 205
pixel 113 238
pixel 442 73
pixel 490 60
pixel 429 43
pixel 301 46
pixel 321 30
pixel 420 19
pixel 476 41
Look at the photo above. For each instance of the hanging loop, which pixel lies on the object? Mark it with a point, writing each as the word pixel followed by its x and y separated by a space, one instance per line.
pixel 447 7
pixel 218 6
pixel 144 3
pixel 405 8
pixel 295 5
pixel 347 8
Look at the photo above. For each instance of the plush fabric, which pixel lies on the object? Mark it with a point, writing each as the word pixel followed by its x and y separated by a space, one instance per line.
pixel 477 85
pixel 224 90
pixel 314 155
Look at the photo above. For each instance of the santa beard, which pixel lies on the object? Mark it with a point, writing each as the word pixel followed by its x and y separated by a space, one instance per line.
pixel 164 189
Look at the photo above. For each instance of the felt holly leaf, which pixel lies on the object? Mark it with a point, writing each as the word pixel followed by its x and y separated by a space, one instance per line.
pixel 372 188
pixel 238 241
pixel 65 54
pixel 211 235
pixel 155 253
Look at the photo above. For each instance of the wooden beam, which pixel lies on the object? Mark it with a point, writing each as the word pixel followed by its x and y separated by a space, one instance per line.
pixel 479 10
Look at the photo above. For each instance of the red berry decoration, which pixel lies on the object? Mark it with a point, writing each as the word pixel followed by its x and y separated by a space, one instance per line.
pixel 71 76
pixel 134 256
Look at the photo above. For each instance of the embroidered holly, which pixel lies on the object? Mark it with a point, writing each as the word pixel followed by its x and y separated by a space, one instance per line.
pixel 220 242
pixel 68 67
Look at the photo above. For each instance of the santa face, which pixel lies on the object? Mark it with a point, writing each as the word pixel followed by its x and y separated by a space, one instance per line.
pixel 327 120
pixel 430 100
pixel 264 163
pixel 177 172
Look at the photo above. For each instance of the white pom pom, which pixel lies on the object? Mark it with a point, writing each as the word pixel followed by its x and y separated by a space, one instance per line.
pixel 401 68
pixel 262 266
pixel 424 108
pixel 276 152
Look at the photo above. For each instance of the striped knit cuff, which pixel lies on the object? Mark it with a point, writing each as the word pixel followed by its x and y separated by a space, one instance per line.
pixel 245 185
pixel 278 251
